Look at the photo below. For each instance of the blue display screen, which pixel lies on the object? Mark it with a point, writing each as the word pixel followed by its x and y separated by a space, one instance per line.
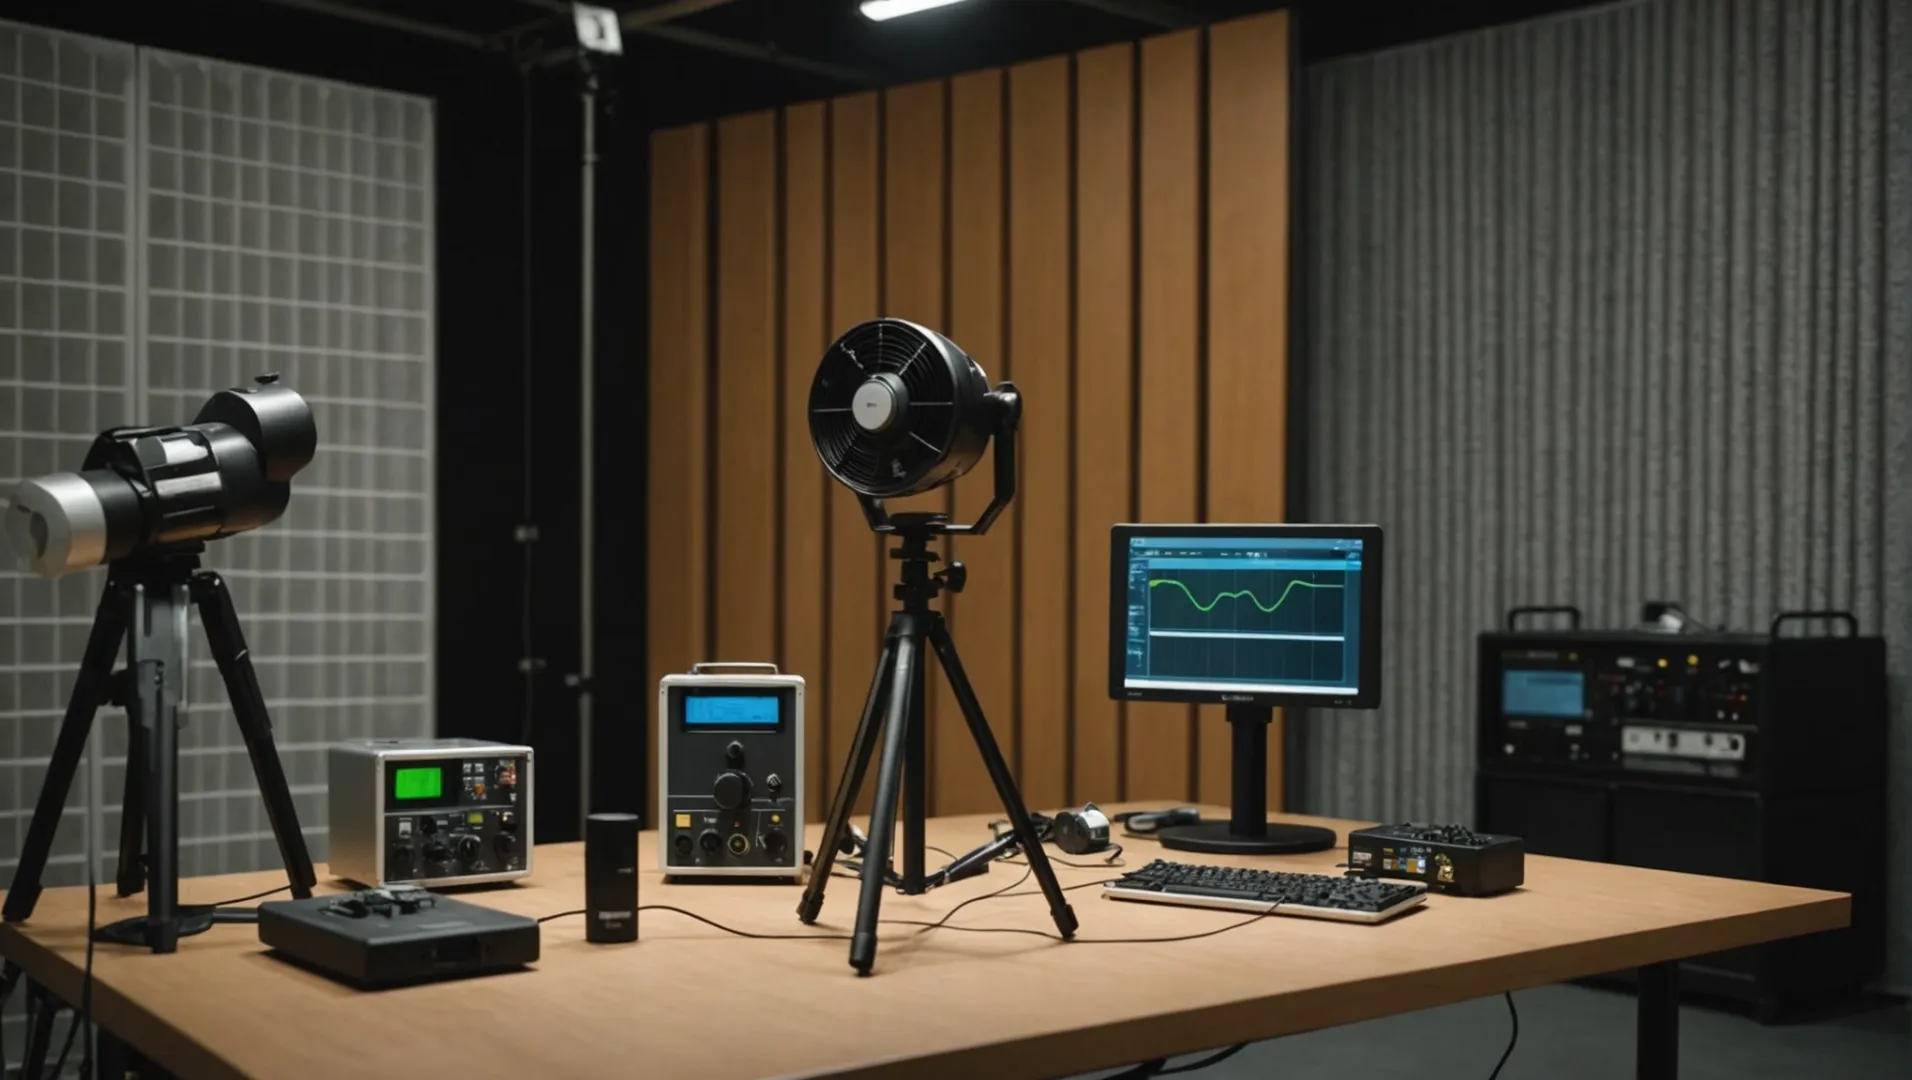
pixel 1528 692
pixel 731 711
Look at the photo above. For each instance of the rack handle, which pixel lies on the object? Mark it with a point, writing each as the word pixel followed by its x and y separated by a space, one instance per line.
pixel 737 665
pixel 1514 615
pixel 1847 617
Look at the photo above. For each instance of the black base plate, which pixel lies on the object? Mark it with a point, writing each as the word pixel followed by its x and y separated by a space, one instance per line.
pixel 193 919
pixel 1219 838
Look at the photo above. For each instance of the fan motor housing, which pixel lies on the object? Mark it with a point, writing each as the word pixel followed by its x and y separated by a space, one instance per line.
pixel 897 408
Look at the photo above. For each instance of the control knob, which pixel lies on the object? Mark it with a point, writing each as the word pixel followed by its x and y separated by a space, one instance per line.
pixel 506 845
pixel 710 841
pixel 732 790
pixel 734 753
pixel 437 854
pixel 468 849
pixel 399 863
pixel 774 842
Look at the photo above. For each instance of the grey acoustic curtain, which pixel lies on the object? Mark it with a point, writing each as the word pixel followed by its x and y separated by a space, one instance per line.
pixel 1604 308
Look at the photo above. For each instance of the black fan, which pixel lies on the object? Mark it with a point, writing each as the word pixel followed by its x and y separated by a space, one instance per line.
pixel 898 409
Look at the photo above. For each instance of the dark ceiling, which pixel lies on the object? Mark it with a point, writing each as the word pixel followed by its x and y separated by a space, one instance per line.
pixel 690 59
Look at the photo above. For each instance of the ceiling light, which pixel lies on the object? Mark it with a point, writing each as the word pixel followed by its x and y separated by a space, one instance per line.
pixel 880 10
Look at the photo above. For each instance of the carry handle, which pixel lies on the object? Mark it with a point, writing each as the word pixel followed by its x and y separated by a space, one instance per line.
pixel 1514 615
pixel 1847 617
pixel 738 665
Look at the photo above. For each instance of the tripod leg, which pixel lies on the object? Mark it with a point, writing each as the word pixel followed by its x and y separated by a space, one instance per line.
pixel 89 691
pixel 44 1007
pixel 159 727
pixel 131 877
pixel 854 768
pixel 915 783
pixel 229 651
pixel 1059 909
pixel 889 776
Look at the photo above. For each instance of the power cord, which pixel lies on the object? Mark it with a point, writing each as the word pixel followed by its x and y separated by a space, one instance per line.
pixel 1513 1016
pixel 254 896
pixel 1215 1058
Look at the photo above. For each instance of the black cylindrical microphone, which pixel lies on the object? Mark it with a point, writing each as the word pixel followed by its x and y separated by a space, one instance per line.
pixel 610 877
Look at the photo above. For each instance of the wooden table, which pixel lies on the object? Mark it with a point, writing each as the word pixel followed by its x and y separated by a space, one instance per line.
pixel 688 1002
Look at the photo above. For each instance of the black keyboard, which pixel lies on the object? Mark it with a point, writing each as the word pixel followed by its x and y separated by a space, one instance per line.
pixel 1235 888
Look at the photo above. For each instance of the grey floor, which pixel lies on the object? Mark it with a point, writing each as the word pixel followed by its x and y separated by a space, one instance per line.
pixel 1571 1032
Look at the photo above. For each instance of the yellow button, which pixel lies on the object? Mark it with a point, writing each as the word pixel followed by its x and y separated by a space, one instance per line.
pixel 776 819
pixel 683 821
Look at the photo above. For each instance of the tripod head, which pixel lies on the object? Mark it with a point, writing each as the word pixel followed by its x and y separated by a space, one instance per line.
pixel 1007 405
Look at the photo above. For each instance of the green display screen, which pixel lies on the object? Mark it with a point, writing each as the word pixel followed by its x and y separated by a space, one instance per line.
pixel 418 783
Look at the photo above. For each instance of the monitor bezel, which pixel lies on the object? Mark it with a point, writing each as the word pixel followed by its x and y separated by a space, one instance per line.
pixel 1368 695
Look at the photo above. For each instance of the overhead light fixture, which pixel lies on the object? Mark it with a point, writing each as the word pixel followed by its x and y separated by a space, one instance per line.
pixel 881 10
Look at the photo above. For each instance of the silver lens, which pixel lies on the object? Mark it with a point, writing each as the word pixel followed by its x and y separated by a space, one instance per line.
pixel 56 524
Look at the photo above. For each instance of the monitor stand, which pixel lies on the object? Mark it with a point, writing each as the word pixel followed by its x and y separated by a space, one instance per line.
pixel 1248 830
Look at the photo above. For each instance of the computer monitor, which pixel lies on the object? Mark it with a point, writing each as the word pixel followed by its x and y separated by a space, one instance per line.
pixel 1251 617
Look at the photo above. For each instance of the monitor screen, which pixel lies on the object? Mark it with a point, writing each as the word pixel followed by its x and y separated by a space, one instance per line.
pixel 1280 614
pixel 1543 692
pixel 732 711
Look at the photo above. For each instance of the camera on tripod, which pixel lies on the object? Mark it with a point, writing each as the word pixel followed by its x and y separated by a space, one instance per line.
pixel 142 488
pixel 145 502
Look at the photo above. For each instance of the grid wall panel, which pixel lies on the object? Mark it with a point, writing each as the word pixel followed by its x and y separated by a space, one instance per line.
pixel 170 226
pixel 66 303
pixel 287 228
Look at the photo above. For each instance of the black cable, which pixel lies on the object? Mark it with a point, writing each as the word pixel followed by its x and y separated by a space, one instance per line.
pixel 86 980
pixel 1511 1039
pixel 951 913
pixel 1215 1058
pixel 254 896
pixel 59 1064
pixel 951 856
pixel 742 933
pixel 1143 1071
pixel 561 915
pixel 1114 859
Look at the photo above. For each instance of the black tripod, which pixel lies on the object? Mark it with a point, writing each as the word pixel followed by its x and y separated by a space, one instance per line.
pixel 146 603
pixel 897 696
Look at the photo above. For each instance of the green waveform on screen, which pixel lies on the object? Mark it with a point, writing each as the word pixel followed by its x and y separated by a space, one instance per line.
pixel 1267 609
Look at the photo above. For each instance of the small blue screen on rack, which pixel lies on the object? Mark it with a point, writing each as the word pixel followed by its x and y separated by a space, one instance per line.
pixel 731 711
pixel 1536 692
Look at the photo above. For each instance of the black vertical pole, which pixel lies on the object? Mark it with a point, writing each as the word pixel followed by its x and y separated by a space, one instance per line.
pixel 1659 1022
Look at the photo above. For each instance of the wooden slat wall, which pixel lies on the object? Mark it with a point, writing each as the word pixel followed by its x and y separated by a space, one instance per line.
pixel 855 623
pixel 1039 325
pixel 983 617
pixel 1104 390
pixel 1109 230
pixel 805 488
pixel 677 618
pixel 1247 312
pixel 1169 412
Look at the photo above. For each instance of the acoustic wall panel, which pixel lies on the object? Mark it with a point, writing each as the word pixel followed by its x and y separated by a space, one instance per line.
pixel 1246 315
pixel 69 202
pixel 1040 219
pixel 803 487
pixel 1604 309
pixel 747 411
pixel 170 226
pixel 1103 394
pixel 678 622
pixel 287 227
pixel 1058 221
pixel 983 618
pixel 1168 406
pixel 856 557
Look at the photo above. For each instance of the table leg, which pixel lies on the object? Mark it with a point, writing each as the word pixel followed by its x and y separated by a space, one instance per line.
pixel 1659 1022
